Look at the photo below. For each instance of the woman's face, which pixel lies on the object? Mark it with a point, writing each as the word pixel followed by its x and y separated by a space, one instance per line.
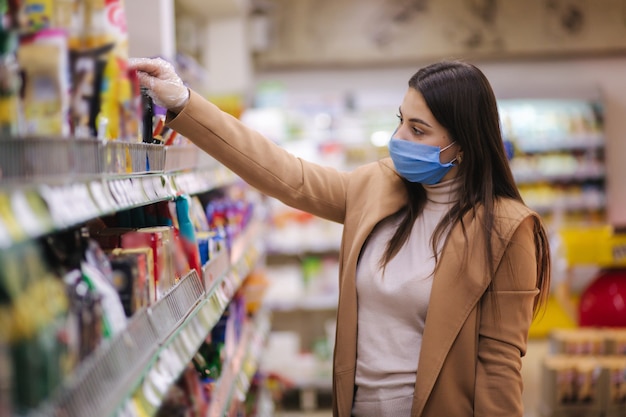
pixel 417 124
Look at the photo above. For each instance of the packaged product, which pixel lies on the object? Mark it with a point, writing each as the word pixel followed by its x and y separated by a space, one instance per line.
pixel 157 238
pixel 43 58
pixel 133 277
pixel 188 232
pixel 33 307
pixel 10 83
pixel 97 274
pixel 616 369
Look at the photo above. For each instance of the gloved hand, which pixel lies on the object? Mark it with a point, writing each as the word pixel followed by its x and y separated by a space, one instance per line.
pixel 163 85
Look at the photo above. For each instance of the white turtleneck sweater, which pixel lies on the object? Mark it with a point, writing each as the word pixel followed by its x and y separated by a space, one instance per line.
pixel 392 309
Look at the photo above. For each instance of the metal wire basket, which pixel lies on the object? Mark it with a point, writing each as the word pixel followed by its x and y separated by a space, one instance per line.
pixel 127 158
pixel 33 158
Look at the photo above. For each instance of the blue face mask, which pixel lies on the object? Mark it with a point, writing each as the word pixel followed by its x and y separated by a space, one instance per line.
pixel 418 162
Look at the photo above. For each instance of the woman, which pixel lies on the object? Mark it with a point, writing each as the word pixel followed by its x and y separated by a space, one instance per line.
pixel 442 266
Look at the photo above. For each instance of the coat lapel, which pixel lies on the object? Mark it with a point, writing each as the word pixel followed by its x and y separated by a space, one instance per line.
pixel 445 319
pixel 375 209
pixel 390 199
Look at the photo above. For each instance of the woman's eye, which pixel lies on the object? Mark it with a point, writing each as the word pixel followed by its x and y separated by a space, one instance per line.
pixel 415 130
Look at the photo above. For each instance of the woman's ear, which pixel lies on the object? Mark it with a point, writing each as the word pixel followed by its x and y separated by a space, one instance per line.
pixel 459 157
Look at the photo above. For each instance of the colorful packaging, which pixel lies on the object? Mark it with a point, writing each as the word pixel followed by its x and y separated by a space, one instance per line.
pixel 32 309
pixel 10 84
pixel 616 369
pixel 156 238
pixel 49 14
pixel 179 256
pixel 203 246
pixel 116 27
pixel 43 58
pixel 83 94
pixel 98 280
pixel 134 122
pixel 39 15
pixel 133 278
pixel 198 215
pixel 187 233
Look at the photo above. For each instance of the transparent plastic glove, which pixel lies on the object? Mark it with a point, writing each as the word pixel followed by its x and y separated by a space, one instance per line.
pixel 162 83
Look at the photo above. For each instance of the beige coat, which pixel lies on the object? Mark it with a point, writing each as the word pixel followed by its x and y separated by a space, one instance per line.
pixel 470 361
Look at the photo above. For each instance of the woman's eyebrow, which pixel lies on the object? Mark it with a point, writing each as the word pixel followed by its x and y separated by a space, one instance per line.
pixel 415 119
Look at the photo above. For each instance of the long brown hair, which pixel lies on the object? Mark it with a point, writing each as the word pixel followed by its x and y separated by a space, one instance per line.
pixel 461 99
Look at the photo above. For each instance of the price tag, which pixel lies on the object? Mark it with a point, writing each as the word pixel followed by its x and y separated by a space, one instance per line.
pixel 174 362
pixel 25 215
pixel 205 315
pixel 82 198
pixel 129 409
pixel 170 189
pixel 123 190
pixel 53 197
pixel 131 186
pixel 214 309
pixel 178 348
pixel 165 369
pixel 150 390
pixel 73 211
pixel 177 183
pixel 129 191
pixel 148 188
pixel 102 197
pixel 5 237
pixel 142 197
pixel 196 329
pixel 115 192
pixel 139 405
pixel 159 188
pixel 189 347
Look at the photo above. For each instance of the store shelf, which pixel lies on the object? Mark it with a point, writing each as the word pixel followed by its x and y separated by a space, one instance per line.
pixel 528 177
pixel 539 144
pixel 29 210
pixel 238 372
pixel 131 374
pixel 558 159
pixel 97 385
pixel 568 205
